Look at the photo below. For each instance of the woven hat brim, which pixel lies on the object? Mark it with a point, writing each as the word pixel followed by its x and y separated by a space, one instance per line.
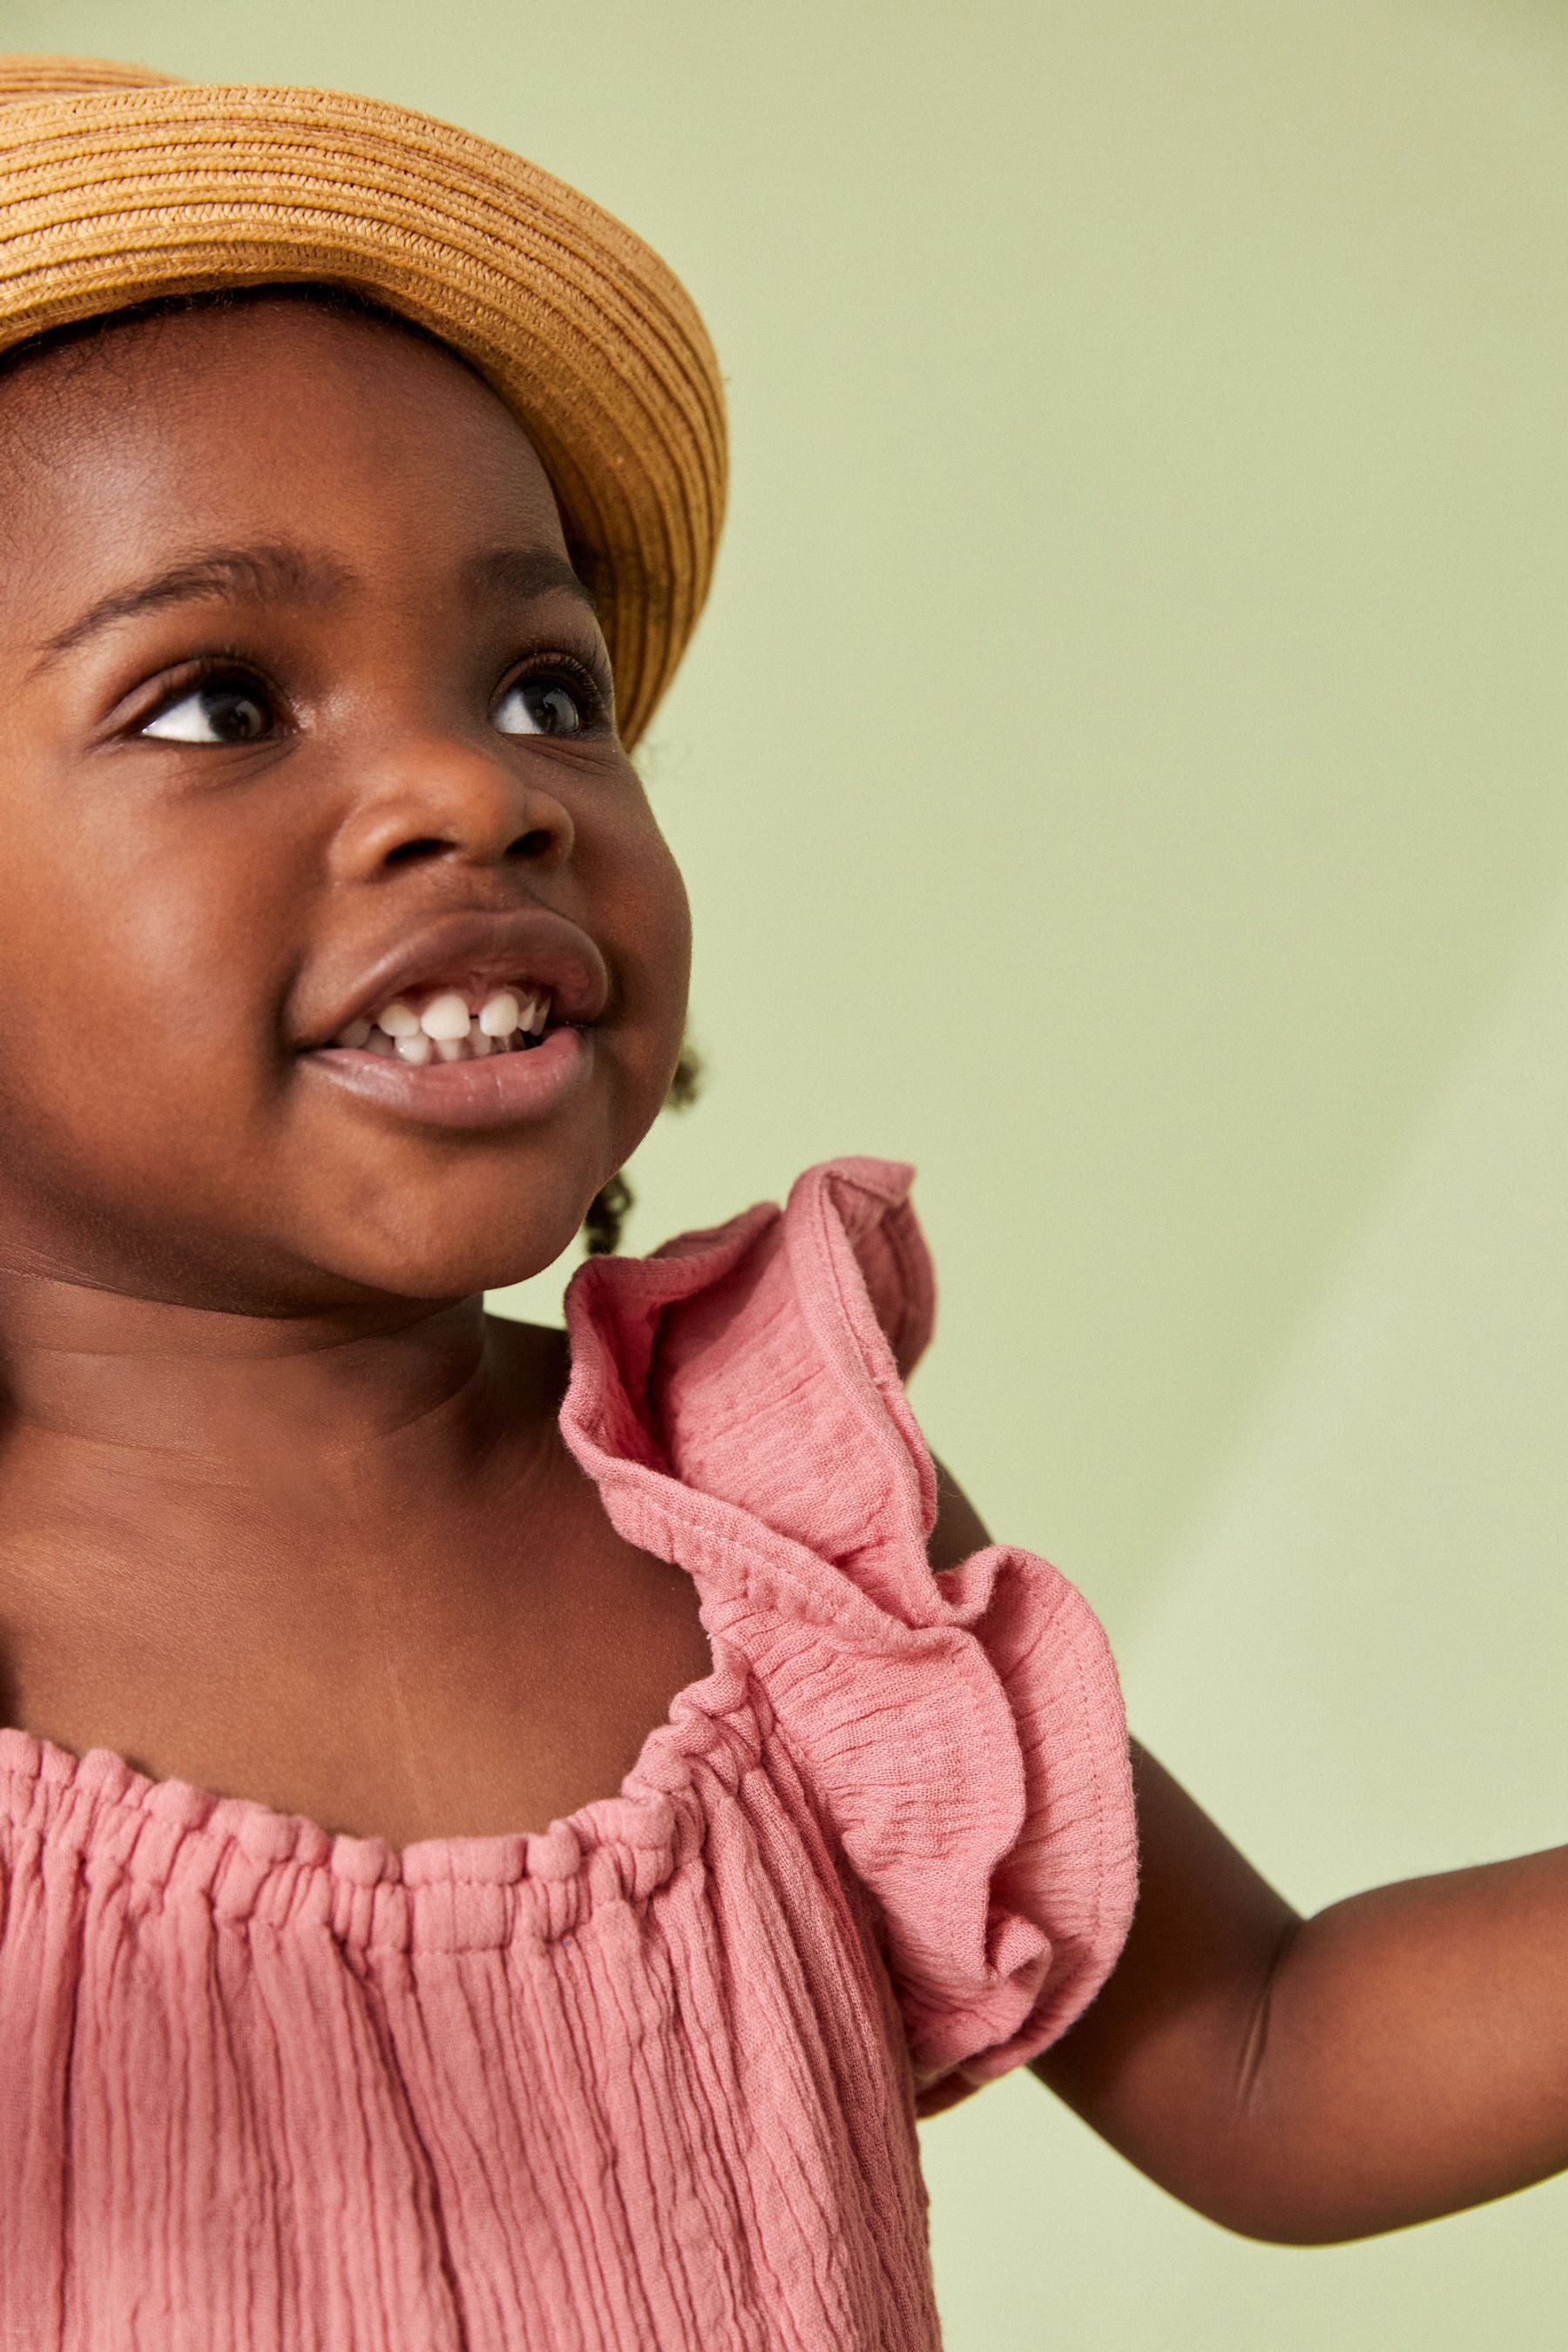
pixel 123 195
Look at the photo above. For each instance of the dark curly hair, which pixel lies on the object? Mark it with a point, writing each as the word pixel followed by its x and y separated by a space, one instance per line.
pixel 606 1217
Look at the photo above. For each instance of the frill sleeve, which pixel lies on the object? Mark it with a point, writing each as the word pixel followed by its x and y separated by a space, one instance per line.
pixel 962 1734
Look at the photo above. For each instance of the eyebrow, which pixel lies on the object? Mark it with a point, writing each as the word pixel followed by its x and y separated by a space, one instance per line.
pixel 279 574
pixel 272 572
pixel 524 572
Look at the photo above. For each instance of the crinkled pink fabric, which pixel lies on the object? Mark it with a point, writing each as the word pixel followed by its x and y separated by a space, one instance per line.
pixel 649 2078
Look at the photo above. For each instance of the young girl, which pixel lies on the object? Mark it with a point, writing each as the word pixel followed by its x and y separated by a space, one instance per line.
pixel 501 1833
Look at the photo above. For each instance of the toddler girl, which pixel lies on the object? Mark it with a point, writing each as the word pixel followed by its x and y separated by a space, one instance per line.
pixel 503 1832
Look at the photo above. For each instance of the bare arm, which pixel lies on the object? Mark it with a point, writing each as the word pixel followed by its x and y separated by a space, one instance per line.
pixel 1402 2055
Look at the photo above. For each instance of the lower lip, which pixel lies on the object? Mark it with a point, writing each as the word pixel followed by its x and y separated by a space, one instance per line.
pixel 503 1091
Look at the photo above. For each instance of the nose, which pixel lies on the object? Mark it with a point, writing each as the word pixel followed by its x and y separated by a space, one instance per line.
pixel 445 800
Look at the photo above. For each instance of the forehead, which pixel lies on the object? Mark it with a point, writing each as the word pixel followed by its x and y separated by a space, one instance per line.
pixel 270 416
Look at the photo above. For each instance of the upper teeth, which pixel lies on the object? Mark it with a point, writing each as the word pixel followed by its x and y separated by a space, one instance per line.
pixel 446 1029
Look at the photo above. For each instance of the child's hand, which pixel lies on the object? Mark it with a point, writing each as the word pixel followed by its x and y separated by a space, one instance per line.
pixel 1402 2054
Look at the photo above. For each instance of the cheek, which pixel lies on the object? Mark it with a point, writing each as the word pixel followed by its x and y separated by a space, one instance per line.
pixel 131 964
pixel 637 908
pixel 657 955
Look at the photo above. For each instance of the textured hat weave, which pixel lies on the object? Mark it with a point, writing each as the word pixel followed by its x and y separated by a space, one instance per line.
pixel 118 186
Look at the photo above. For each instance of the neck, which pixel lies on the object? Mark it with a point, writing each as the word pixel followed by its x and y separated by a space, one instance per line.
pixel 227 1541
pixel 352 1419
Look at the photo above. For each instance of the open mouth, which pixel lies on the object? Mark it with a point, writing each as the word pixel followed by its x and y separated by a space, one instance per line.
pixel 475 1020
pixel 453 1024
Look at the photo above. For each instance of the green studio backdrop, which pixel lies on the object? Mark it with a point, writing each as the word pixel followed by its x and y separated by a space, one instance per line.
pixel 1122 772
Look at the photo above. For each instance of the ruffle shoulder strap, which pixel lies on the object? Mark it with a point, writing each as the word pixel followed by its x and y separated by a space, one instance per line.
pixel 739 1399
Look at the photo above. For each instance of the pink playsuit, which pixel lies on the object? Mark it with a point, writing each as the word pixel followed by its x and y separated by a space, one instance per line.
pixel 646 2080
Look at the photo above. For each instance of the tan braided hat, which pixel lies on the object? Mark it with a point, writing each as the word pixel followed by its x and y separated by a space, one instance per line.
pixel 118 186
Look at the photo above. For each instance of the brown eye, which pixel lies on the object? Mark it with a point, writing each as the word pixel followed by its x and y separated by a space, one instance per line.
pixel 224 709
pixel 546 705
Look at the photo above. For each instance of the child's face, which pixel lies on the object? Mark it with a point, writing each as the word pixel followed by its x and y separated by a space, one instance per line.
pixel 341 774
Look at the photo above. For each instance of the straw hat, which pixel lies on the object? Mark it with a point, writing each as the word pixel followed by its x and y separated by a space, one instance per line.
pixel 117 186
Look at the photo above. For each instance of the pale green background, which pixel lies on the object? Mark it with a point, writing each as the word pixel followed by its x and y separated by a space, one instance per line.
pixel 1123 773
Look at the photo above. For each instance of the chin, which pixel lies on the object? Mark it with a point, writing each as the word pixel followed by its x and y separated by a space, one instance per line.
pixel 453 1255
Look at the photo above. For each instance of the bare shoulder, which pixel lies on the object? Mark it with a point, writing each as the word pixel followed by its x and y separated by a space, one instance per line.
pixel 534 1362
pixel 959 1528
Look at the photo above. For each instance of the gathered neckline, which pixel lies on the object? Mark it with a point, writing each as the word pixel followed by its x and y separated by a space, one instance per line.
pixel 652 1340
pixel 102 1783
